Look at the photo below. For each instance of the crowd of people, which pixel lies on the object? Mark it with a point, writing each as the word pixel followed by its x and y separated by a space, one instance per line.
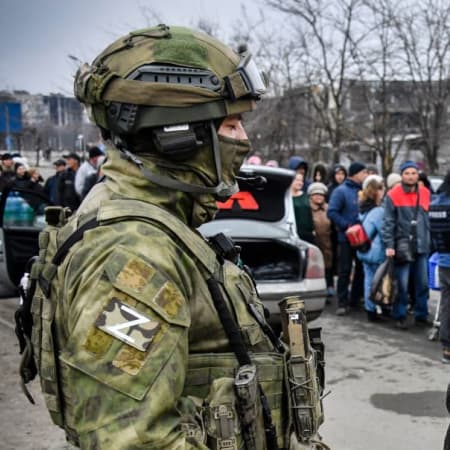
pixel 394 212
pixel 67 187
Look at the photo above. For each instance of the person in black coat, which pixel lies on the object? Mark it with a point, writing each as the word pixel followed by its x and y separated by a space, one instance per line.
pixel 51 184
pixel 66 194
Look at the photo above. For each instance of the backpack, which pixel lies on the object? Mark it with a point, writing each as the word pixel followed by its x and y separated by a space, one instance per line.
pixel 357 237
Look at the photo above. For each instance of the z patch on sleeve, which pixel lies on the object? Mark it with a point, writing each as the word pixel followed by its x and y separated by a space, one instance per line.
pixel 128 325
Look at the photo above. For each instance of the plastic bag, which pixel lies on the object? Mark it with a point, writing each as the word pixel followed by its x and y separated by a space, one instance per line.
pixel 384 285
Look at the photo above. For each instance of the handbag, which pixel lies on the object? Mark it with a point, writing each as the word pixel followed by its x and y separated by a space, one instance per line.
pixel 357 237
pixel 404 251
pixel 405 247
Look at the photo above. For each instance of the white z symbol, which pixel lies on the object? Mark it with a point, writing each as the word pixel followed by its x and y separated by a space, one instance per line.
pixel 114 329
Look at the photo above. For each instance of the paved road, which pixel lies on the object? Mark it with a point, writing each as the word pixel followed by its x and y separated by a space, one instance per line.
pixel 387 389
pixel 388 386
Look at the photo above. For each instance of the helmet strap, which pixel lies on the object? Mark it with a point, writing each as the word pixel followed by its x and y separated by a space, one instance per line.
pixel 220 190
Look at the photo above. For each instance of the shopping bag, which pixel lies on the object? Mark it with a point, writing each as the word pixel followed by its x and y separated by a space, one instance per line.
pixel 384 285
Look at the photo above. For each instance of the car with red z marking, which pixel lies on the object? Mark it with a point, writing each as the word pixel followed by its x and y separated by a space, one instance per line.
pixel 260 220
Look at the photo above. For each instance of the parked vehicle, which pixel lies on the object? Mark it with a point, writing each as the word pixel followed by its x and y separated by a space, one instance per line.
pixel 260 219
pixel 21 220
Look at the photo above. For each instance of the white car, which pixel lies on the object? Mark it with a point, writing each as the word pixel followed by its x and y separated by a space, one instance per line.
pixel 260 219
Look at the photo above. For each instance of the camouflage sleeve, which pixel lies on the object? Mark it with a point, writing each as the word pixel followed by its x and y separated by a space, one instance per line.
pixel 123 365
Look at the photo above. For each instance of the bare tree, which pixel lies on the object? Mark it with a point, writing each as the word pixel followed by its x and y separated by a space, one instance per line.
pixel 380 122
pixel 326 33
pixel 274 128
pixel 424 32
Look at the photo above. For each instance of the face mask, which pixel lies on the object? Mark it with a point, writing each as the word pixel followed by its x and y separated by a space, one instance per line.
pixel 232 154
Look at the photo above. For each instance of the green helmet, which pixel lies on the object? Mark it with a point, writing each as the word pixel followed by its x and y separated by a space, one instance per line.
pixel 166 86
pixel 166 76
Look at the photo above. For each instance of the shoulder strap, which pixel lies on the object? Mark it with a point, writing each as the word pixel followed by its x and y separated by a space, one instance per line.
pixel 137 210
pixel 413 225
pixel 72 239
pixel 371 238
pixel 416 212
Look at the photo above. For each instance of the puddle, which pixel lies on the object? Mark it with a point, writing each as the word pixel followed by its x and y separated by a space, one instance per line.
pixel 418 404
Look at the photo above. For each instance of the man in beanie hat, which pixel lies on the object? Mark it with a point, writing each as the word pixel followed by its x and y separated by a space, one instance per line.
pixel 87 174
pixel 343 212
pixel 406 225
pixel 356 167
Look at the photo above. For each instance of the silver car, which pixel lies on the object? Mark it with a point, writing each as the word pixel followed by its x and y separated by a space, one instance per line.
pixel 260 219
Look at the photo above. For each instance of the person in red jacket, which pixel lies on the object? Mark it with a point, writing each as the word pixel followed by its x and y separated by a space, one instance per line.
pixel 406 224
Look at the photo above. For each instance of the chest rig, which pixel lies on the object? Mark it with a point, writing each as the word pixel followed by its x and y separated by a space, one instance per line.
pixel 249 410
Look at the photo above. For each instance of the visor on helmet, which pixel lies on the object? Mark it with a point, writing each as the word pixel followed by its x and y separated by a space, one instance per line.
pixel 247 81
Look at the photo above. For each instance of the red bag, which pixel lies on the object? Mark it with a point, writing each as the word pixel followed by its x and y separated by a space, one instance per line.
pixel 358 238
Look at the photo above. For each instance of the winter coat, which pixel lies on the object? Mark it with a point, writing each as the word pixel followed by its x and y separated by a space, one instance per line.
pixel 86 171
pixel 67 195
pixel 322 232
pixel 343 207
pixel 51 187
pixel 131 269
pixel 303 218
pixel 444 258
pixel 372 221
pixel 400 206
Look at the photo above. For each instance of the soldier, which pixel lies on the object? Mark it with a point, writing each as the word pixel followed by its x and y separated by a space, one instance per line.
pixel 145 337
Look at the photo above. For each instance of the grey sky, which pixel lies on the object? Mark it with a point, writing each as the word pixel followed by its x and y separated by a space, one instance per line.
pixel 37 35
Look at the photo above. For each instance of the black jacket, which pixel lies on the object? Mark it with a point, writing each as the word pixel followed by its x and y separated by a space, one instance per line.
pixel 66 194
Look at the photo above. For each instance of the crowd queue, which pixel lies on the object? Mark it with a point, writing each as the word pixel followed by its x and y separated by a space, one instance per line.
pixel 394 213
pixel 67 187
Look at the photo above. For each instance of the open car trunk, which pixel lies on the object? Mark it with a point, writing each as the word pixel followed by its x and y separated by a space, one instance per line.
pixel 271 260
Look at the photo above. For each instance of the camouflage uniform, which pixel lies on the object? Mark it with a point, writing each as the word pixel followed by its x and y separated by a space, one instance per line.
pixel 128 343
pixel 122 394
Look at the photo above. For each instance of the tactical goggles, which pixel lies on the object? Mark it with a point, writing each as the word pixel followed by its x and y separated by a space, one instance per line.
pixel 247 80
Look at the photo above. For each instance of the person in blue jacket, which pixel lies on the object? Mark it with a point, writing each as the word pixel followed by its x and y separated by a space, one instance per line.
pixel 343 212
pixel 440 233
pixel 371 215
